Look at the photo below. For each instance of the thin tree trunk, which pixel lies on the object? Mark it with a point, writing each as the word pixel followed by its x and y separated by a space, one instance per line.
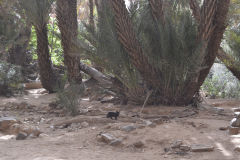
pixel 67 22
pixel 231 64
pixel 47 76
pixel 91 17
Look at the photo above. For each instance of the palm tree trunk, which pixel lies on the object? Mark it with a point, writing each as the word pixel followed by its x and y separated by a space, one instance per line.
pixel 17 54
pixel 67 22
pixel 211 28
pixel 47 76
pixel 231 64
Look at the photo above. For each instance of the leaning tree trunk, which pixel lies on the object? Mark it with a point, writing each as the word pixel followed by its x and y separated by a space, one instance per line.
pixel 67 22
pixel 231 64
pixel 47 76
pixel 212 24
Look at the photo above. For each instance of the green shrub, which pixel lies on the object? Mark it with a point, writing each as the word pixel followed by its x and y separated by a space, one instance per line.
pixel 69 98
pixel 10 79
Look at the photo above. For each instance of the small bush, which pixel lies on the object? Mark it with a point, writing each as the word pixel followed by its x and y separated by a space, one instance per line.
pixel 10 79
pixel 70 98
pixel 220 83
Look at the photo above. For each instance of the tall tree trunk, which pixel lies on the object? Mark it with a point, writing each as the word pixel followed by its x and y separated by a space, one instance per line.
pixel 47 76
pixel 17 54
pixel 91 17
pixel 67 22
pixel 211 28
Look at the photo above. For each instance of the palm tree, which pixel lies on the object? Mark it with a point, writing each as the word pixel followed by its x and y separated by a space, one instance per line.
pixel 37 12
pixel 157 46
pixel 67 22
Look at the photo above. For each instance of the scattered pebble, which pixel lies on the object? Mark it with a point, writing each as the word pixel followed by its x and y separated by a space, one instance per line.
pixel 21 136
pixel 138 144
pixel 128 128
pixel 84 124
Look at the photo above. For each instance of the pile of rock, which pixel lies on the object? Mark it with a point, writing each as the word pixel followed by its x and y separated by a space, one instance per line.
pixel 235 123
pixel 12 126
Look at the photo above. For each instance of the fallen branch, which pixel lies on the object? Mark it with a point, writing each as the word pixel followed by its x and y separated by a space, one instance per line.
pixel 95 74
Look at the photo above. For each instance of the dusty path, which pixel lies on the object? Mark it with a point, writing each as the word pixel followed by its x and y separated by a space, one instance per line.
pixel 82 144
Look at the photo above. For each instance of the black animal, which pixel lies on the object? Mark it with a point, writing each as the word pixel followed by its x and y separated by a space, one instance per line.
pixel 113 114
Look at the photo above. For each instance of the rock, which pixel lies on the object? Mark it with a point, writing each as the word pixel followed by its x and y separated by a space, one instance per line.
pixel 75 126
pixel 140 126
pixel 138 144
pixel 237 114
pixel 236 109
pixel 153 125
pixel 235 122
pixel 21 136
pixel 147 123
pixel 128 128
pixel 233 130
pixel 158 121
pixel 218 110
pixel 176 144
pixel 223 128
pixel 201 148
pixel 108 138
pixel 84 124
pixel 237 149
pixel 83 111
pixel 184 148
pixel 115 142
pixel 6 122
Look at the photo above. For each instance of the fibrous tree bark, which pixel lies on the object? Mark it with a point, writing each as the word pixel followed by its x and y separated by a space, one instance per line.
pixel 211 18
pixel 68 25
pixel 47 75
pixel 17 53
pixel 231 64
pixel 212 24
pixel 37 13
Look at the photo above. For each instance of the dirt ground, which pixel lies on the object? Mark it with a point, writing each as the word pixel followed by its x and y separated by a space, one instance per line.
pixel 79 142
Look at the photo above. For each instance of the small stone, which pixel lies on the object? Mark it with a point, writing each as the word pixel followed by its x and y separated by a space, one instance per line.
pixel 236 109
pixel 21 136
pixel 218 110
pixel 176 144
pixel 83 111
pixel 75 126
pixel 223 128
pixel 184 148
pixel 84 124
pixel 6 122
pixel 138 144
pixel 108 138
pixel 158 121
pixel 141 126
pixel 233 130
pixel 201 148
pixel 237 149
pixel 237 114
pixel 153 125
pixel 235 122
pixel 147 123
pixel 115 142
pixel 128 128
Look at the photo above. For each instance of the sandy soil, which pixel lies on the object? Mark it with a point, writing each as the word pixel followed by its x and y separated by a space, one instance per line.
pixel 73 143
